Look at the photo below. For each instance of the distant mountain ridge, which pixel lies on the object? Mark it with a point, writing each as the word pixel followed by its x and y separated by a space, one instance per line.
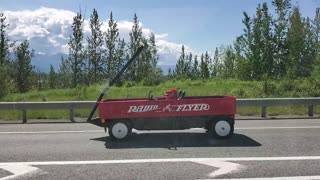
pixel 42 62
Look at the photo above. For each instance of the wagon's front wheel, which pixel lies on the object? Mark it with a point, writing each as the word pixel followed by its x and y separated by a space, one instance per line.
pixel 221 129
pixel 118 130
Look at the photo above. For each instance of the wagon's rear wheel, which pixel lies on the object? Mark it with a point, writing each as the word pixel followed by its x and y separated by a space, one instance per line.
pixel 119 130
pixel 221 129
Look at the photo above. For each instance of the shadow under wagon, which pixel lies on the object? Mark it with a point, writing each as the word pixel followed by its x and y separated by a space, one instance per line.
pixel 175 140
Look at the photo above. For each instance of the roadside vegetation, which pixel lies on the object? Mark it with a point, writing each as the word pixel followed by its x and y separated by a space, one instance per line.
pixel 276 55
pixel 240 89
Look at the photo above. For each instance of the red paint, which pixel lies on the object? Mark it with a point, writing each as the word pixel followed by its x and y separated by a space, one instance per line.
pixel 163 107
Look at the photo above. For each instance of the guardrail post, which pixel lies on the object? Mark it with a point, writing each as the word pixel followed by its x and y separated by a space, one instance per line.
pixel 310 111
pixel 72 115
pixel 263 111
pixel 24 116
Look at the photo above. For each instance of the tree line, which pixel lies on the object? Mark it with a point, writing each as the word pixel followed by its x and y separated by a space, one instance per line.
pixel 105 54
pixel 16 73
pixel 92 59
pixel 283 46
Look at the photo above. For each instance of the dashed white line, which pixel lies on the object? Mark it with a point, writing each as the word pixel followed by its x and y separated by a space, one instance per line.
pixel 187 130
pixel 288 158
pixel 279 127
pixel 49 132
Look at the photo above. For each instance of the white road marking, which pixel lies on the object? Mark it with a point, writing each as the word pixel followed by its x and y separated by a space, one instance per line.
pixel 20 168
pixel 276 178
pixel 50 132
pixel 127 161
pixel 279 127
pixel 157 131
pixel 224 167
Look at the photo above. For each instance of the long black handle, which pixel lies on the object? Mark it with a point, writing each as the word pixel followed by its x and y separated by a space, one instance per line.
pixel 114 80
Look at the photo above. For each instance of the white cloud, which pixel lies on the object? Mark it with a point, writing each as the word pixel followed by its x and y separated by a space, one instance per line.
pixel 169 52
pixel 48 31
pixel 161 36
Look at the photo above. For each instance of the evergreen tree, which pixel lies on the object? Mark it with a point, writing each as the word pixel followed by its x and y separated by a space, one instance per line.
pixel 281 22
pixel 169 73
pixel 188 65
pixel 228 70
pixel 94 49
pixel 120 55
pixel 4 80
pixel 180 66
pixel 153 49
pixel 111 38
pixel 195 68
pixel 52 78
pixel 243 46
pixel 23 67
pixel 65 74
pixel 204 66
pixel 242 66
pixel 4 63
pixel 39 80
pixel 76 51
pixel 295 42
pixel 309 51
pixel 144 71
pixel 135 41
pixel 4 45
pixel 207 61
pixel 149 69
pixel 257 47
pixel 316 25
pixel 215 64
pixel 267 43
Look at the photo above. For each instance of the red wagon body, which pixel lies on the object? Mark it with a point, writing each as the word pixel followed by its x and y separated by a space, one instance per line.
pixel 196 106
pixel 214 113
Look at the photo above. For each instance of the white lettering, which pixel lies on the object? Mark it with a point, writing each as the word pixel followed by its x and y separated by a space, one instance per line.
pixel 142 108
pixel 132 109
pixel 180 107
pixel 184 108
pixel 205 107
pixel 197 107
pixel 190 107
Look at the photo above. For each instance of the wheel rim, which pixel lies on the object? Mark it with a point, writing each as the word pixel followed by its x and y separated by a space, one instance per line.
pixel 222 128
pixel 119 130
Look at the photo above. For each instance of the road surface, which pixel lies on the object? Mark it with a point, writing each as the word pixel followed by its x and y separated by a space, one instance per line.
pixel 270 149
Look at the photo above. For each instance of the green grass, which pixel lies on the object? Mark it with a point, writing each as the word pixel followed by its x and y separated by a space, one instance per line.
pixel 241 89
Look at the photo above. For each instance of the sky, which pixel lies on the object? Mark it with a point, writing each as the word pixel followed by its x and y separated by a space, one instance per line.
pixel 201 25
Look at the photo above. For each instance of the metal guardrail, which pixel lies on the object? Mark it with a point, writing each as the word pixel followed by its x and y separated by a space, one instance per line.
pixel 71 105
pixel 265 102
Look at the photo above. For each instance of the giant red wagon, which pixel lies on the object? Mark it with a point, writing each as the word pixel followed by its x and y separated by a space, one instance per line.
pixel 214 113
pixel 170 112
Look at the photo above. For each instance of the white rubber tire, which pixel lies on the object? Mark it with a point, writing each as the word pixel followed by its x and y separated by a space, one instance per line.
pixel 118 130
pixel 222 129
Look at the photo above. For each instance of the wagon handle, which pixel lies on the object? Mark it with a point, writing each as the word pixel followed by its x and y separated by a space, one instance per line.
pixel 114 80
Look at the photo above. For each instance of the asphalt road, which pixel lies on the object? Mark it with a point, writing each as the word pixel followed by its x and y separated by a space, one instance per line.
pixel 259 149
